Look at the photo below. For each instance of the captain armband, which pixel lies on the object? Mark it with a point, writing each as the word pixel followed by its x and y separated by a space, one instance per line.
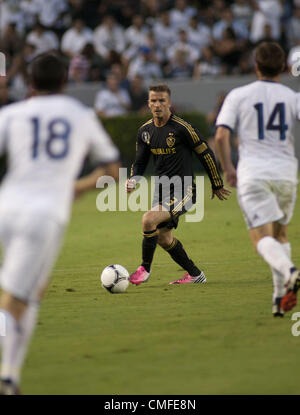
pixel 201 148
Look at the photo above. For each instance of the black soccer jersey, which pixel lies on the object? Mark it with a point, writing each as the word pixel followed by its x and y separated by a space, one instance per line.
pixel 172 146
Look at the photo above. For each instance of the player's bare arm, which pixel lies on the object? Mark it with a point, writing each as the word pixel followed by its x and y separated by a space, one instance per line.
pixel 89 181
pixel 224 153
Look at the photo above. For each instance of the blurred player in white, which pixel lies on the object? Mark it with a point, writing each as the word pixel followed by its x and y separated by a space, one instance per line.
pixel 46 139
pixel 265 112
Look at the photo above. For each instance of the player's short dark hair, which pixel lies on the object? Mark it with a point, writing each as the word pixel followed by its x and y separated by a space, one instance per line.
pixel 270 58
pixel 48 72
pixel 160 88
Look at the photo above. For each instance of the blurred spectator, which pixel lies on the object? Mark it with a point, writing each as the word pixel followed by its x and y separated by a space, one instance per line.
pixel 181 14
pixel 75 38
pixel 240 30
pixel 135 36
pixel 246 63
pixel 267 34
pixel 109 36
pixel 199 35
pixel 42 39
pixel 265 12
pixel 138 95
pixel 165 34
pixel 217 8
pixel 11 12
pixel 182 44
pixel 180 67
pixel 120 72
pixel 229 51
pixel 112 100
pixel 242 12
pixel 84 65
pixel 30 11
pixel 154 47
pixel 10 42
pixel 209 64
pixel 293 29
pixel 150 9
pixel 17 75
pixel 51 12
pixel 145 64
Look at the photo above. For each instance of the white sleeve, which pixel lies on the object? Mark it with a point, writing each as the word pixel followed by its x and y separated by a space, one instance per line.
pixel 3 131
pixel 102 149
pixel 298 106
pixel 228 114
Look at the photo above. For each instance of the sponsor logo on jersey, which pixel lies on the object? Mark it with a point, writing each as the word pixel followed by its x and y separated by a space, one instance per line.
pixel 163 151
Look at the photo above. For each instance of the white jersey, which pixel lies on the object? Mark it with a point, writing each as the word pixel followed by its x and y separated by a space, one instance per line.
pixel 47 139
pixel 264 113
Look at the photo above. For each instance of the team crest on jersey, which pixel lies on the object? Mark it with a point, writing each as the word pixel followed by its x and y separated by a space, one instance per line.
pixel 146 137
pixel 170 140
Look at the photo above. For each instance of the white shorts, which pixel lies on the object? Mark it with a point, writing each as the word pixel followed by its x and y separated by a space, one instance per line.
pixel 30 246
pixel 265 201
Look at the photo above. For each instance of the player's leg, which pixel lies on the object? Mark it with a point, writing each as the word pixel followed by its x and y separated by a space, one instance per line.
pixel 150 221
pixel 20 318
pixel 277 256
pixel 264 203
pixel 279 289
pixel 271 250
pixel 22 281
pixel 174 247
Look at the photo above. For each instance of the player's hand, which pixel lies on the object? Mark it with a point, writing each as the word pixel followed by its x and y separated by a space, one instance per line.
pixel 130 185
pixel 230 176
pixel 221 194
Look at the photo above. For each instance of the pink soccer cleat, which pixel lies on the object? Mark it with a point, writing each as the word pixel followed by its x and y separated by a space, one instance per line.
pixel 187 279
pixel 139 276
pixel 290 299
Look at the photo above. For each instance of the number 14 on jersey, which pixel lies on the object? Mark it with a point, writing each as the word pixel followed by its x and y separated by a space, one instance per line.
pixel 281 126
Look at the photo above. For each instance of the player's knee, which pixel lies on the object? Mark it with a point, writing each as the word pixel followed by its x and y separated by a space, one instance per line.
pixel 12 304
pixel 164 240
pixel 148 221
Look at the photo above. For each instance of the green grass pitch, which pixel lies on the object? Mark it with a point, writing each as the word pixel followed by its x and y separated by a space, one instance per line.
pixel 216 338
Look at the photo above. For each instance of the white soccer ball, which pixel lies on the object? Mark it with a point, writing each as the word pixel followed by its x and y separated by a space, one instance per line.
pixel 115 278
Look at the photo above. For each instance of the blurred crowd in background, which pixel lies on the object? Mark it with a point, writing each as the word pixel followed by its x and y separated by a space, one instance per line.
pixel 127 43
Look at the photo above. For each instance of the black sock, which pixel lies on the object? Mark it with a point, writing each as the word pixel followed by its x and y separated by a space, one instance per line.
pixel 179 255
pixel 149 245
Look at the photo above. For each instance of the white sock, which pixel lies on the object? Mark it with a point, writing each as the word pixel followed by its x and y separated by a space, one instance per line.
pixel 15 343
pixel 278 278
pixel 275 255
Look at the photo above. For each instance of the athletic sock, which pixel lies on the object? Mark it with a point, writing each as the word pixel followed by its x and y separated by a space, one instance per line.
pixel 28 323
pixel 9 345
pixel 16 341
pixel 179 255
pixel 148 248
pixel 275 255
pixel 278 278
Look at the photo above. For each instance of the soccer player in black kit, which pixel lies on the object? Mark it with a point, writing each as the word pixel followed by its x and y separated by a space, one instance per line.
pixel 172 141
